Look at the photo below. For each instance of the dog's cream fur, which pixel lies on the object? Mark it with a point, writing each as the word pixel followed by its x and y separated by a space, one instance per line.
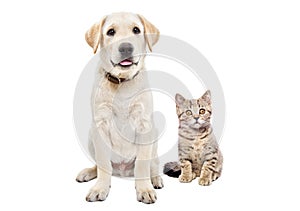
pixel 122 135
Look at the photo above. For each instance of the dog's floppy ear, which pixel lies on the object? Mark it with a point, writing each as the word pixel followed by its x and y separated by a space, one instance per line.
pixel 151 32
pixel 94 35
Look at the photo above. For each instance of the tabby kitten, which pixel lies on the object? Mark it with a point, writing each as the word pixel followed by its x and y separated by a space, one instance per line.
pixel 198 151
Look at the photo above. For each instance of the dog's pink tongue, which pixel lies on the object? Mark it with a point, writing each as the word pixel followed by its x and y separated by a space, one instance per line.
pixel 126 62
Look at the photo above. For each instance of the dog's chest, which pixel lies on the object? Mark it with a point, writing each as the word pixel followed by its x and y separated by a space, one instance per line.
pixel 121 109
pixel 121 121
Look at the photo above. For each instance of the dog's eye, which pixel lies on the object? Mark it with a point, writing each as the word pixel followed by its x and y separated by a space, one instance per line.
pixel 111 32
pixel 136 30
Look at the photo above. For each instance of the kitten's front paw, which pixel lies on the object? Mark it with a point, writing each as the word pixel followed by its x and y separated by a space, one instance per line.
pixel 186 179
pixel 204 181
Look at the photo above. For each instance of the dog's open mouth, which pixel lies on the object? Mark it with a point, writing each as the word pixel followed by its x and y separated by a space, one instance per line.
pixel 125 63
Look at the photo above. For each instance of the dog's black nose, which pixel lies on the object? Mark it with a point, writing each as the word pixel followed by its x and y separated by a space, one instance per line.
pixel 126 49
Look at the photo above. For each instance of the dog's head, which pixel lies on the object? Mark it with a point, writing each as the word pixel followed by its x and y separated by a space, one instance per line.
pixel 123 38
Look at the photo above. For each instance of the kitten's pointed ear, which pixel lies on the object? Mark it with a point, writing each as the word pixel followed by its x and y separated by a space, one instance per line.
pixel 207 97
pixel 179 99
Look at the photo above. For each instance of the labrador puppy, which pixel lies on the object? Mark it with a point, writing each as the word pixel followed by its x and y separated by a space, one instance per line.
pixel 122 134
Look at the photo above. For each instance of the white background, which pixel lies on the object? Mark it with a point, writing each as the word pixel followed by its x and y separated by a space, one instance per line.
pixel 254 47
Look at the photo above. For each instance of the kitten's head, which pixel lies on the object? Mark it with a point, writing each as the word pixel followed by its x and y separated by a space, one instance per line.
pixel 194 113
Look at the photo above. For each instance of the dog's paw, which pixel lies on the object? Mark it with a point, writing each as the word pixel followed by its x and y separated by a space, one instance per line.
pixel 87 175
pixel 157 182
pixel 97 194
pixel 146 195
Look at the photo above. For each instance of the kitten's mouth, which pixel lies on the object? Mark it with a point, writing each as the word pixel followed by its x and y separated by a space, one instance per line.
pixel 197 125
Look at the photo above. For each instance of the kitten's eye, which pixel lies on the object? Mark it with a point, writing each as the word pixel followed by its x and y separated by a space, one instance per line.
pixel 202 111
pixel 110 32
pixel 136 30
pixel 188 112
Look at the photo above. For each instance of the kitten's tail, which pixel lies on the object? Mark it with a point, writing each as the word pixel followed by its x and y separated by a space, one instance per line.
pixel 172 169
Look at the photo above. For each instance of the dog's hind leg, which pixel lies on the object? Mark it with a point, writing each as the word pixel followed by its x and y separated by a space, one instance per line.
pixel 101 141
pixel 87 174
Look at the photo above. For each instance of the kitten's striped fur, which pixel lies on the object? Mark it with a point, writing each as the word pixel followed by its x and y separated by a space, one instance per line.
pixel 198 151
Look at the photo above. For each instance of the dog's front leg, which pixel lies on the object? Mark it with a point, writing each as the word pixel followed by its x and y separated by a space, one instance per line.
pixel 144 189
pixel 100 190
